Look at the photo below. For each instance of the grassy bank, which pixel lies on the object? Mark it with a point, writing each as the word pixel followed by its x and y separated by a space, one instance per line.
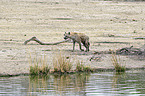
pixel 102 21
pixel 63 64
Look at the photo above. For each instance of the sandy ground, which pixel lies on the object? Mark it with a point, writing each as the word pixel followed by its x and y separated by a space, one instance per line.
pixel 49 19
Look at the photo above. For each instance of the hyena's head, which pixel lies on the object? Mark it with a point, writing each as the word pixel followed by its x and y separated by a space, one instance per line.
pixel 66 35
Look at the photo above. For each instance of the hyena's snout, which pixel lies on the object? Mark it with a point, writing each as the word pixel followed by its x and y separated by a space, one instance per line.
pixel 65 37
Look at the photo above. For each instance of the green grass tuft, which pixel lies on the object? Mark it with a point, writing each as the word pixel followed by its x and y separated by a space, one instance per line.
pixel 118 67
pixel 35 69
pixel 81 68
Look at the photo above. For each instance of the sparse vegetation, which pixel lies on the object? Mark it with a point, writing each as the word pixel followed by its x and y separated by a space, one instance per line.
pixel 81 68
pixel 118 67
pixel 88 69
pixel 36 69
pixel 61 63
pixel 18 26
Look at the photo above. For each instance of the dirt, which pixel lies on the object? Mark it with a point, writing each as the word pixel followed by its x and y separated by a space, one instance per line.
pixel 102 21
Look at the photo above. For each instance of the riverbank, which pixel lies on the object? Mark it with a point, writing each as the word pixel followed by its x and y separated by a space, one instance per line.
pixel 102 21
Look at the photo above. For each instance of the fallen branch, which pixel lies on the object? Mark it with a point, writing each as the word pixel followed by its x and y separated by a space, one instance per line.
pixel 139 38
pixel 97 56
pixel 42 43
pixel 129 51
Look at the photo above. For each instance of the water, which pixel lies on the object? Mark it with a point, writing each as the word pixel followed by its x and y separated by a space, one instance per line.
pixel 131 83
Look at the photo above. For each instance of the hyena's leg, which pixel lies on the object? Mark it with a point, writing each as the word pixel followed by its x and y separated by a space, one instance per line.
pixel 87 49
pixel 81 47
pixel 86 44
pixel 74 45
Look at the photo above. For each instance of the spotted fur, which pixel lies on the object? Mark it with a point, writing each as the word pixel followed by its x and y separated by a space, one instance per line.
pixel 79 38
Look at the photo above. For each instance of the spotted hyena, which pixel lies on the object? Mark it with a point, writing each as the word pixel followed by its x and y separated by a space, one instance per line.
pixel 79 38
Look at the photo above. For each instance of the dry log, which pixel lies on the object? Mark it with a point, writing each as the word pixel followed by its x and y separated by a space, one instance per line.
pixel 129 51
pixel 42 43
pixel 139 38
pixel 123 51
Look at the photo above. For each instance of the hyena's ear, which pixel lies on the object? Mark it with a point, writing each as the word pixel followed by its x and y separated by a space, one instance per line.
pixel 68 33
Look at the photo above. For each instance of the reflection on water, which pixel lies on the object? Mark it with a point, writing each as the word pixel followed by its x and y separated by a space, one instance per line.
pixel 131 83
pixel 59 84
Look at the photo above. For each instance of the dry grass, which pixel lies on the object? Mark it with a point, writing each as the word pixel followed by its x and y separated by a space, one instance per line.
pixel 81 68
pixel 61 63
pixel 22 19
pixel 39 66
pixel 118 67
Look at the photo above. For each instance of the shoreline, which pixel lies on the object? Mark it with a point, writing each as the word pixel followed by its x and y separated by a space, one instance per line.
pixel 72 72
pixel 109 25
